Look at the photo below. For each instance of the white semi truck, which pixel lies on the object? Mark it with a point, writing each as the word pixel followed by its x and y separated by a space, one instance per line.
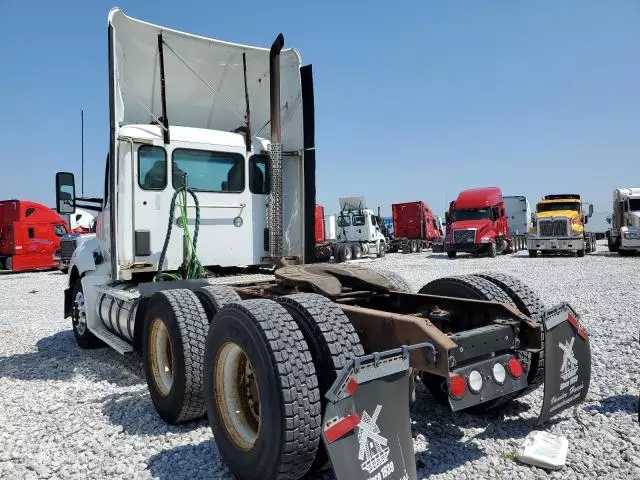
pixel 624 234
pixel 284 364
pixel 358 230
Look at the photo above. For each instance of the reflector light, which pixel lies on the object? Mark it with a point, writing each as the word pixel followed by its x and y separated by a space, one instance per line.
pixel 475 381
pixel 342 427
pixel 575 324
pixel 457 387
pixel 499 373
pixel 515 367
pixel 351 387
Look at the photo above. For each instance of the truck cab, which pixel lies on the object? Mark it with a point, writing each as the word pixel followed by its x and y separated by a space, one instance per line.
pixel 624 234
pixel 30 235
pixel 560 226
pixel 477 223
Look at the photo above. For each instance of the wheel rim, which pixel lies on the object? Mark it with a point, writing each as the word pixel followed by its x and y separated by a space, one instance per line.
pixel 80 314
pixel 237 395
pixel 161 356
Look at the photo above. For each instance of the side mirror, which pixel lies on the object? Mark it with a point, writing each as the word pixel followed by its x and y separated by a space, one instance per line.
pixel 447 218
pixel 65 193
pixel 591 209
pixel 608 219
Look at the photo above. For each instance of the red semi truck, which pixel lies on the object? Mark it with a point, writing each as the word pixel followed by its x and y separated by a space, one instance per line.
pixel 477 223
pixel 414 227
pixel 29 235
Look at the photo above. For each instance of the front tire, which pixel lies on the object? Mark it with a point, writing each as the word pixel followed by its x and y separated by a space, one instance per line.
pixel 493 251
pixel 261 392
pixel 175 331
pixel 84 338
pixel 533 253
pixel 451 254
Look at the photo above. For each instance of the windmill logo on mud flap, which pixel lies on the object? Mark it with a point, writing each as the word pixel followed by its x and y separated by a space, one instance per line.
pixel 373 451
pixel 569 367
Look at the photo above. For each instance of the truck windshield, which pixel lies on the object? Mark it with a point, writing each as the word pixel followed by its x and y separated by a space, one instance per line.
pixel 358 220
pixel 344 221
pixel 634 204
pixel 554 207
pixel 471 214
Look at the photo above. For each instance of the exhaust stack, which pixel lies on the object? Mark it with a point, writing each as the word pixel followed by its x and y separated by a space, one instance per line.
pixel 275 215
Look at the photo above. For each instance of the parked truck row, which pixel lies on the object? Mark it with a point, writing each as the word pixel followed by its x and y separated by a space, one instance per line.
pixel 287 364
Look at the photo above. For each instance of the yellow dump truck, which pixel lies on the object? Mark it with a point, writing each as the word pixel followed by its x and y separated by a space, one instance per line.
pixel 559 226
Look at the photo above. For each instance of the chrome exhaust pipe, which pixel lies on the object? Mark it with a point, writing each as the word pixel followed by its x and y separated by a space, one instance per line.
pixel 275 220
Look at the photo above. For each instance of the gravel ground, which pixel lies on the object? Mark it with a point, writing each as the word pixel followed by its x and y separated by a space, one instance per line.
pixel 69 413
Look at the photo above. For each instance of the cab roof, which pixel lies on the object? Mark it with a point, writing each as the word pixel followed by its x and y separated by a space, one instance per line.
pixel 479 198
pixel 152 133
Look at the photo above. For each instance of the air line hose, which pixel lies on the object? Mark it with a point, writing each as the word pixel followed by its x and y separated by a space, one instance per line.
pixel 194 268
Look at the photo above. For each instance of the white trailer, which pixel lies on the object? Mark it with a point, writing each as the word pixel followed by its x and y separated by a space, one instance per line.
pixel 624 234
pixel 518 214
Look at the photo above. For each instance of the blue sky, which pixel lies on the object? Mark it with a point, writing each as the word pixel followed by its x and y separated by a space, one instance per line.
pixel 415 100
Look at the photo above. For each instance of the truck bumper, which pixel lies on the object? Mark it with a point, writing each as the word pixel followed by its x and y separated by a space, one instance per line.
pixel 466 247
pixel 558 244
pixel 626 244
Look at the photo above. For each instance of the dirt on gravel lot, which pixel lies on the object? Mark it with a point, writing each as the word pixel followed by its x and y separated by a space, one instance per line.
pixel 72 413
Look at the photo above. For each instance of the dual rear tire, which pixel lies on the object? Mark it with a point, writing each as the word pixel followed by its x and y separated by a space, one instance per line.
pixel 295 347
pixel 259 370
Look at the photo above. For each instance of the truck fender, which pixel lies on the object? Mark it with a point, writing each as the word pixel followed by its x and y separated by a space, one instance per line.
pixel 84 258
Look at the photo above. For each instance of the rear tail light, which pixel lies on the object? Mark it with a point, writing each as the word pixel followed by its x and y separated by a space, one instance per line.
pixel 475 381
pixel 499 373
pixel 515 367
pixel 457 387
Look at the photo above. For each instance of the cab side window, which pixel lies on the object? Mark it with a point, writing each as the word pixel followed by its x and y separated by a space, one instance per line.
pixel 258 174
pixel 152 168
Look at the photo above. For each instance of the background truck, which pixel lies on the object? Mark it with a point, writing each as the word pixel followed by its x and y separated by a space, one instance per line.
pixel 269 359
pixel 560 226
pixel 518 214
pixel 81 223
pixel 29 235
pixel 357 233
pixel 414 227
pixel 477 223
pixel 624 234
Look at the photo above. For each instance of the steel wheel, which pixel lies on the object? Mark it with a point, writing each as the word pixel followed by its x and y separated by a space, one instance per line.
pixel 161 356
pixel 79 317
pixel 237 395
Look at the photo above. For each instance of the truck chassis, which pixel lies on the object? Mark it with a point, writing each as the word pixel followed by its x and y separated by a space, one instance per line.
pixel 262 354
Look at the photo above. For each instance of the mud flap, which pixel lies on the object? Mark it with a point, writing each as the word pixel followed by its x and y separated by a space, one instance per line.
pixel 366 426
pixel 567 363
